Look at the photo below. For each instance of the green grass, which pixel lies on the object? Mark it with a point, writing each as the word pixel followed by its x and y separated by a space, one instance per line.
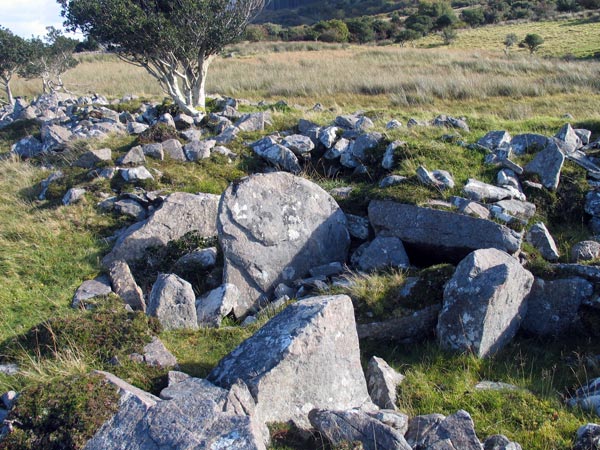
pixel 578 38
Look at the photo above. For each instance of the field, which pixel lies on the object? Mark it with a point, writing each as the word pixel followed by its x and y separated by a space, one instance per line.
pixel 46 250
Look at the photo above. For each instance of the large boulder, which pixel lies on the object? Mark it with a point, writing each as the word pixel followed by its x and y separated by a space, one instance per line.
pixel 304 358
pixel 553 305
pixel 190 416
pixel 484 302
pixel 273 229
pixel 179 214
pixel 341 427
pixel 442 234
pixel 173 303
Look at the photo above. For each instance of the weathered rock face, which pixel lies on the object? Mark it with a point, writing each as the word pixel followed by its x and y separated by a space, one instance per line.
pixel 540 238
pixel 548 164
pixel 180 213
pixel 124 285
pixel 588 437
pixel 188 419
pixel 456 431
pixel 382 382
pixel 173 302
pixel 306 357
pixel 354 425
pixel 447 235
pixel 553 305
pixel 484 303
pixel 273 228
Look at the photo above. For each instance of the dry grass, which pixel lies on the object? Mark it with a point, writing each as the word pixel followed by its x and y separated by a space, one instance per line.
pixel 413 80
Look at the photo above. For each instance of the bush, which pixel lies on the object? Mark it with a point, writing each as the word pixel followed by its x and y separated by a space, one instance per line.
pixel 533 42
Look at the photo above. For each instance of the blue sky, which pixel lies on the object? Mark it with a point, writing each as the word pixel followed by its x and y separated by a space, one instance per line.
pixel 29 17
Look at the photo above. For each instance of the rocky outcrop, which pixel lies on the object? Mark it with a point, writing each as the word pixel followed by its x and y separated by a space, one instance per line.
pixel 446 235
pixel 304 358
pixel 484 303
pixel 274 228
pixel 180 213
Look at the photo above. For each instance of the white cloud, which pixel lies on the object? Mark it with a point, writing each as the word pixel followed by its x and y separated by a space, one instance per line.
pixel 30 17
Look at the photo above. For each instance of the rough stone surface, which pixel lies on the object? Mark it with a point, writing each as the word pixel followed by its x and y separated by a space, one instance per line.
pixel 299 144
pixel 364 143
pixel 525 143
pixel 484 303
pixel 197 260
pixel 179 214
pixel 174 149
pixel 588 437
pixel 420 426
pixel 547 164
pixel 541 239
pixel 91 289
pixel 500 442
pixel 382 382
pixel 355 425
pixel 154 151
pixel 157 355
pixel 279 156
pixel 568 135
pixel 212 307
pixel 28 147
pixel 553 305
pixel 585 251
pixel 89 159
pixel 136 174
pixel 483 192
pixel 389 155
pixel 358 226
pixel 173 303
pixel 383 252
pixel 392 180
pixel 73 196
pixel 197 150
pixel 450 235
pixel 495 139
pixel 304 358
pixel 134 156
pixel 273 228
pixel 455 432
pixel 124 285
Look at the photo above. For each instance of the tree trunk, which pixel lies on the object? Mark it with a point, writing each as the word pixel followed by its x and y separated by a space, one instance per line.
pixel 199 85
pixel 9 94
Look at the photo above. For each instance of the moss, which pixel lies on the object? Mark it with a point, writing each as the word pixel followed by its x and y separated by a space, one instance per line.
pixel 62 415
pixel 16 131
pixel 159 132
pixel 102 334
pixel 429 288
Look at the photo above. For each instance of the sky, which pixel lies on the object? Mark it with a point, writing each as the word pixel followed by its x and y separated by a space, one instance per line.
pixel 30 17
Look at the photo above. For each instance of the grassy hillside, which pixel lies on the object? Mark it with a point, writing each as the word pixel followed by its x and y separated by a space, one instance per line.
pixel 578 38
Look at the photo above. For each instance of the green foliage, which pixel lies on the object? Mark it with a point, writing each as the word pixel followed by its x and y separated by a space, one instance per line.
pixel 473 17
pixel 332 31
pixel 61 415
pixel 533 42
pixel 449 35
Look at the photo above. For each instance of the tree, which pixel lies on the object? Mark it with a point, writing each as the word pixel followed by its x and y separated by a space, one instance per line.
pixel 449 35
pixel 510 40
pixel 174 40
pixel 332 31
pixel 50 59
pixel 473 16
pixel 405 36
pixel 533 42
pixel 14 53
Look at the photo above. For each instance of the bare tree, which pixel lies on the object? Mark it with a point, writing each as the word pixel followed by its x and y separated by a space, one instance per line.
pixel 14 54
pixel 174 40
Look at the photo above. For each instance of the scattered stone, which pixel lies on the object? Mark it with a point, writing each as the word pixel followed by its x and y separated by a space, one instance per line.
pixel 90 159
pixel 157 355
pixel 495 139
pixel 270 242
pixel 388 156
pixel 553 305
pixel 124 285
pixel 365 142
pixel 358 227
pixel 299 144
pixel 183 121
pixel 175 377
pixel 197 260
pixel 9 369
pixel 509 210
pixel 224 151
pixel 392 180
pixel 470 208
pixel 383 252
pixel 569 137
pixel 453 432
pixel 357 426
pixel 342 192
pixel 91 289
pixel 173 303
pixel 315 340
pixel 9 398
pixel 341 147
pixel 28 147
pixel 382 382
pixel 588 437
pixel 583 135
pixel 327 270
pixel 483 192
pixel 154 151
pixel 212 307
pixel 135 156
pixel 131 208
pixel 585 251
pixel 73 196
pixel 55 137
pixel 328 136
pixel 253 121
pixel 500 442
pixel 279 156
pixel 439 179
pixel 393 124
pixel 495 386
pixel 179 214
pixel 197 150
pixel 136 174
pixel 174 149
pixel 136 127
pixel 548 165
pixel 450 235
pixel 541 239
pixel 484 303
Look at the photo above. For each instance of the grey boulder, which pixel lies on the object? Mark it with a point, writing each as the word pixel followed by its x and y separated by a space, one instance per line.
pixel 484 303
pixel 28 147
pixel 212 307
pixel 91 289
pixel 357 426
pixel 299 144
pixel 382 382
pixel 455 432
pixel 124 285
pixel 539 236
pixel 450 235
pixel 179 214
pixel 304 358
pixel 383 252
pixel 173 303
pixel 495 139
pixel 274 228
pixel 547 164
pixel 553 305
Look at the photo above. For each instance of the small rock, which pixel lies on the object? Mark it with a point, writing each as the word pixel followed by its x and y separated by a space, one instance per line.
pixel 173 303
pixel 91 289
pixel 541 239
pixel 136 174
pixel 500 442
pixel 174 149
pixel 124 285
pixel 135 156
pixel 157 355
pixel 495 139
pixel 585 251
pixel 393 124
pixel 358 227
pixel 89 159
pixel 392 180
pixel 382 382
pixel 299 144
pixel 154 151
pixel 588 437
pixel 73 196
pixel 383 252
pixel 212 307
pixel 197 150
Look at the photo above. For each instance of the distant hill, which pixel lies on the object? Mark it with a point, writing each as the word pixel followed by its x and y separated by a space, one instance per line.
pixel 299 12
